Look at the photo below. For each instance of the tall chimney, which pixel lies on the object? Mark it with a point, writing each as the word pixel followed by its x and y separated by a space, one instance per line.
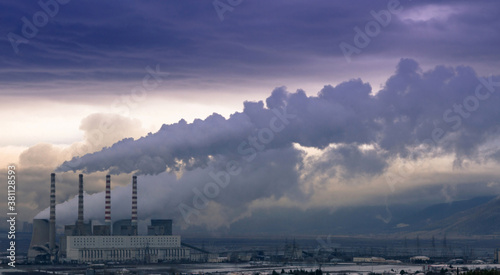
pixel 80 202
pixel 107 207
pixel 52 222
pixel 134 205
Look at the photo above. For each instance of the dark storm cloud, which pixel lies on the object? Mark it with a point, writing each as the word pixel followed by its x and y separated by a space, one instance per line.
pixel 441 111
pixel 445 107
pixel 95 41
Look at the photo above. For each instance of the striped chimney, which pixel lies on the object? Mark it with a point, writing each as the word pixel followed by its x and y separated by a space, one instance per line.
pixel 52 222
pixel 134 201
pixel 80 200
pixel 107 207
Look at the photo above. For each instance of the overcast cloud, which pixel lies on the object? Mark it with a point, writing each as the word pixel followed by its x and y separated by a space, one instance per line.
pixel 413 108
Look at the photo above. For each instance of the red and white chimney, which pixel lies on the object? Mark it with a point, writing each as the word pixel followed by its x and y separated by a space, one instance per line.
pixel 107 207
pixel 80 201
pixel 134 205
pixel 52 221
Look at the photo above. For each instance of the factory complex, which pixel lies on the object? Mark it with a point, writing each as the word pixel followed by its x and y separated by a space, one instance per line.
pixel 111 242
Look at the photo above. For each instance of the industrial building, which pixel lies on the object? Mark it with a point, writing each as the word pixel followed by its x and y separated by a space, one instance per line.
pixel 116 242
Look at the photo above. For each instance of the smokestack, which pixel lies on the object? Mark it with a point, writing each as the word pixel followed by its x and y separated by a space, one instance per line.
pixel 52 222
pixel 80 201
pixel 134 205
pixel 107 207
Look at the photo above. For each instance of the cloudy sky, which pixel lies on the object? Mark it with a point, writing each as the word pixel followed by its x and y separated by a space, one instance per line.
pixel 226 107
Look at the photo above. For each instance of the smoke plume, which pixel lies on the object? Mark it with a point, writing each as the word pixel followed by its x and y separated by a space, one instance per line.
pixel 444 111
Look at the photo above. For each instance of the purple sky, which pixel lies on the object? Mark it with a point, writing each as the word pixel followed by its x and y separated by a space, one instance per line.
pixel 95 73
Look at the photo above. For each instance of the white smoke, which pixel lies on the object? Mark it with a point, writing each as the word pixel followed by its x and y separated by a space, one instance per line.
pixel 441 112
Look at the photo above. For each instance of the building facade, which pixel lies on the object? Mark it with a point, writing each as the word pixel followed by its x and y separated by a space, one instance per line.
pixel 148 249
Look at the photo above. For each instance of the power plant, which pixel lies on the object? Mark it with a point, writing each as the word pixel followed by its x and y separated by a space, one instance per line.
pixel 111 242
